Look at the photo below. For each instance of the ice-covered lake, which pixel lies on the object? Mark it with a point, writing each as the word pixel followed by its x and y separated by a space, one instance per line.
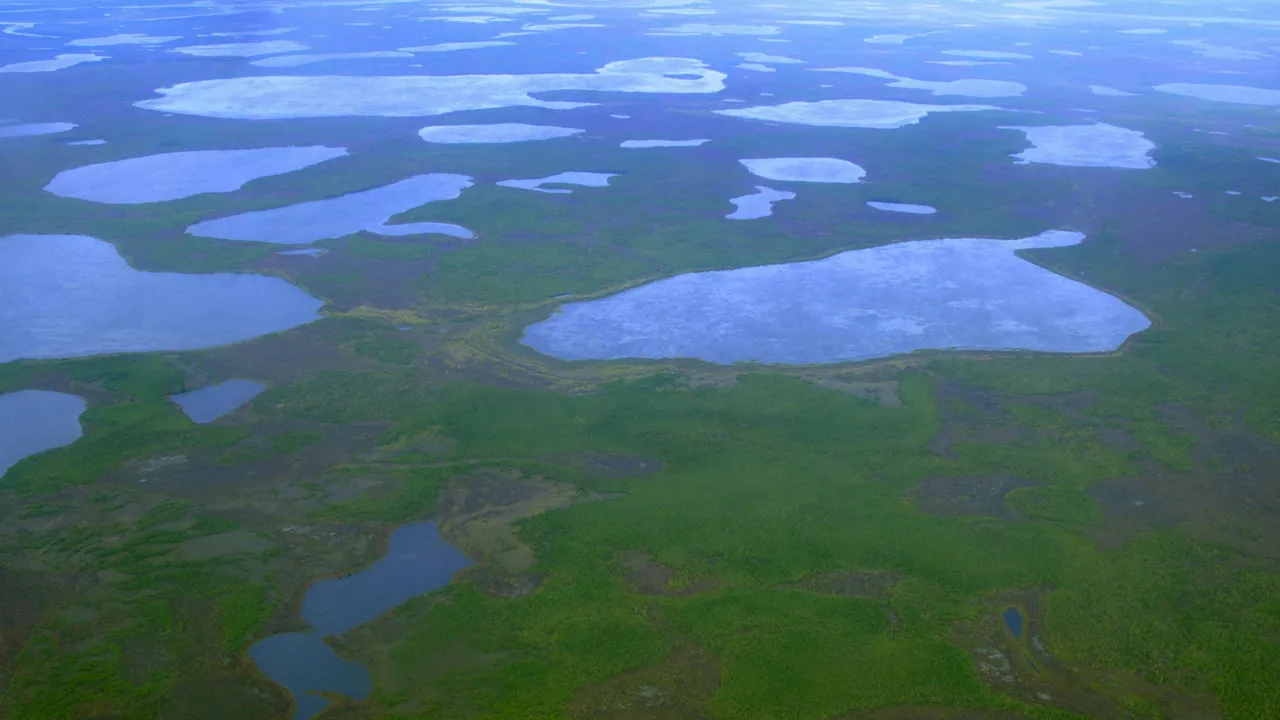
pixel 962 293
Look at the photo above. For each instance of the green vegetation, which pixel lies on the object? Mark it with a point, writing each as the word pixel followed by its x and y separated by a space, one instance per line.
pixel 774 479
pixel 151 618
pixel 1177 612
pixel 242 611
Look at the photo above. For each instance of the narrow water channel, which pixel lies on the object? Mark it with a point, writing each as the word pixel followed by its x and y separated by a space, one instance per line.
pixel 417 561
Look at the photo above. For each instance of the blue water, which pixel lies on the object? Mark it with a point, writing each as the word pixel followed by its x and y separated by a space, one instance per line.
pixel 1013 621
pixel 210 403
pixel 65 296
pixel 758 205
pixel 370 210
pixel 32 421
pixel 304 663
pixel 417 561
pixel 970 293
pixel 29 129
pixel 171 176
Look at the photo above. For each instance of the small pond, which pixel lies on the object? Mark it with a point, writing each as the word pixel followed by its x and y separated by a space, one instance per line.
pixel 806 169
pixel 585 179
pixel 29 129
pixel 906 208
pixel 759 204
pixel 307 222
pixel 32 421
pixel 171 176
pixel 210 403
pixel 495 133
pixel 1097 145
pixel 1014 621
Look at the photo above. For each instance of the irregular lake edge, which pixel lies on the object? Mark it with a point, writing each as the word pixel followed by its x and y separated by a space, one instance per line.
pixel 295 627
pixel 513 340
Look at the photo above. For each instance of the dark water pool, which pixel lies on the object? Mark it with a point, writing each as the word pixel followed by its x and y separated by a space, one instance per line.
pixel 304 663
pixel 1013 621
pixel 32 421
pixel 417 561
pixel 210 403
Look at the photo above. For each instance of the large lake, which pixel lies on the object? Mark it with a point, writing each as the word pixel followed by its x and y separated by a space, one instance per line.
pixel 967 293
pixel 71 296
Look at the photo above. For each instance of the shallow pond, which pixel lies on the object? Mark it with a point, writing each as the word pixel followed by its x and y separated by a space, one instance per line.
pixel 417 561
pixel 32 421
pixel 759 204
pixel 58 62
pixel 859 113
pixel 368 210
pixel 495 133
pixel 297 96
pixel 584 179
pixel 1097 145
pixel 73 296
pixel 29 129
pixel 1239 94
pixel 644 144
pixel 964 293
pixel 170 176
pixel 906 208
pixel 967 87
pixel 210 403
pixel 805 169
pixel 1014 621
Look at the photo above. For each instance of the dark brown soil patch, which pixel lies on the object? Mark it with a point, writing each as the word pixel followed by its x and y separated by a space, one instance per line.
pixel 348 280
pixel 646 577
pixel 970 415
pixel 611 467
pixel 478 514
pixel 220 695
pixel 251 475
pixel 852 583
pixel 484 494
pixel 937 713
pixel 1155 224
pixel 679 688
pixel 1231 496
pixel 884 394
pixel 969 495
pixel 504 585
pixel 23 600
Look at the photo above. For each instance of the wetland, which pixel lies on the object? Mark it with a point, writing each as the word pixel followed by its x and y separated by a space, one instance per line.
pixel 423 359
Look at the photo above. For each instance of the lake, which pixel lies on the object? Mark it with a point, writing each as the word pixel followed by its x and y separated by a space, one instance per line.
pixel 417 561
